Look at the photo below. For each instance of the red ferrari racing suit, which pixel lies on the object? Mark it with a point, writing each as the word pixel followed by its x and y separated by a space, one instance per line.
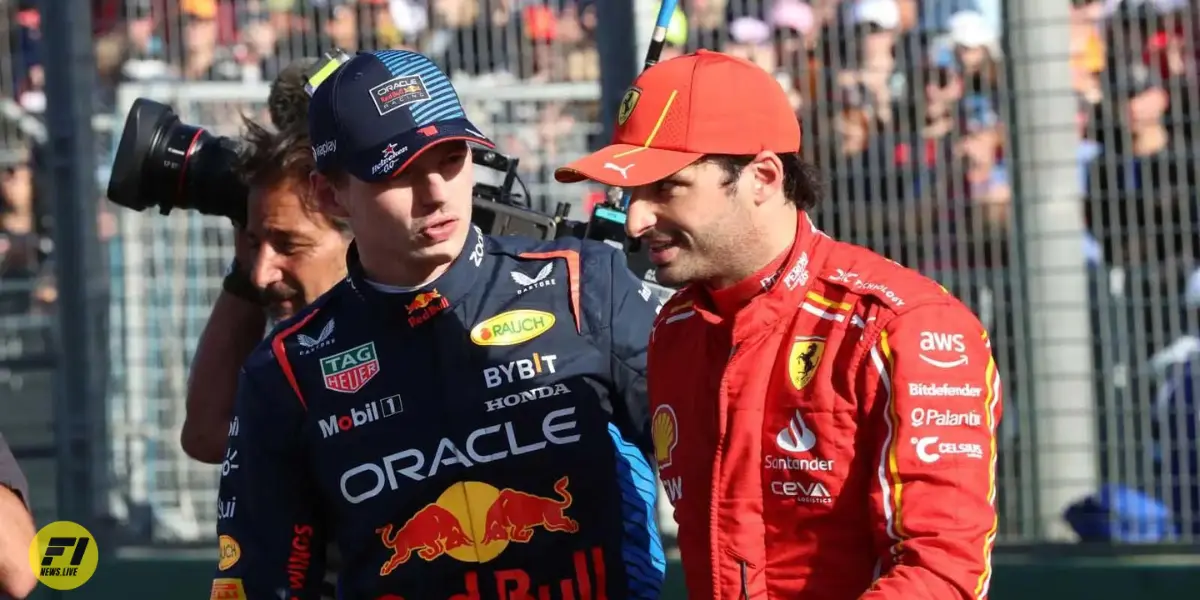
pixel 828 433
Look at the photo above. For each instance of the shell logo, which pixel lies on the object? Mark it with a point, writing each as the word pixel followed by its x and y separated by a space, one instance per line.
pixel 664 429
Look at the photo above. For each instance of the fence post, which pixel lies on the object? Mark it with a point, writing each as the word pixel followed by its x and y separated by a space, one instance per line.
pixel 619 60
pixel 1051 238
pixel 82 308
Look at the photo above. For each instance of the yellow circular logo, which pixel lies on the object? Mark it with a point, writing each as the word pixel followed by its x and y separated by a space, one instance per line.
pixel 625 109
pixel 512 328
pixel 231 551
pixel 63 555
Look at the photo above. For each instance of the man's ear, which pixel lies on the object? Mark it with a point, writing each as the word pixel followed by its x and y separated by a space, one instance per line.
pixel 767 171
pixel 322 189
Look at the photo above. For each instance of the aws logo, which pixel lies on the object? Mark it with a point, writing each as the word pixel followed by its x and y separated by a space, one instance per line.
pixel 512 328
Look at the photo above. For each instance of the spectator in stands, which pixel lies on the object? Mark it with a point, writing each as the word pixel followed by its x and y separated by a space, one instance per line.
pixel 981 151
pixel 288 254
pixel 795 30
pixel 203 57
pixel 342 26
pixel 476 40
pixel 255 51
pixel 22 238
pixel 752 39
pixel 944 87
pixel 871 64
pixel 16 528
pixel 1088 53
pixel 708 22
pixel 977 46
pixel 31 82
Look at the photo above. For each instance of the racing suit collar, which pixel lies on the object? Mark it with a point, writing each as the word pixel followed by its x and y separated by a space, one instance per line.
pixel 419 305
pixel 729 300
pixel 782 289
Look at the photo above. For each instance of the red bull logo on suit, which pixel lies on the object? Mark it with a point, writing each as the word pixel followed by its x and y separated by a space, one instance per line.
pixel 475 522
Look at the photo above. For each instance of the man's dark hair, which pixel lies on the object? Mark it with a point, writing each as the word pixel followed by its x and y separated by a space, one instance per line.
pixel 801 180
pixel 288 102
pixel 273 158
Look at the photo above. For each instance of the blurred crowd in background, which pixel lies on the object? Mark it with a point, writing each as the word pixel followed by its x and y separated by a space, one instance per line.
pixel 902 98
pixel 905 106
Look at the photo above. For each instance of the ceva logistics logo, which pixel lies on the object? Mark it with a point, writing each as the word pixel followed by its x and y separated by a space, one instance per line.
pixel 512 328
pixel 63 555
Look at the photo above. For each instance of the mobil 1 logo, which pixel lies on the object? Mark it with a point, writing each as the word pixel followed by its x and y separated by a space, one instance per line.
pixel 370 412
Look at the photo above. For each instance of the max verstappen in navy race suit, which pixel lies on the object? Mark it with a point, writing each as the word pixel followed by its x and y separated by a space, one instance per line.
pixel 483 435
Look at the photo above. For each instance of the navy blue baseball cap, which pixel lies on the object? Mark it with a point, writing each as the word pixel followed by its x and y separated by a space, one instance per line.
pixel 380 110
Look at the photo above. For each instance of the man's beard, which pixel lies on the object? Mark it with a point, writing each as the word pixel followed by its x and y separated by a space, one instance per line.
pixel 276 294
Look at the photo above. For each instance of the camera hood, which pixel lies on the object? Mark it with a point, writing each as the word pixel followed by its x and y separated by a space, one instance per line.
pixel 147 121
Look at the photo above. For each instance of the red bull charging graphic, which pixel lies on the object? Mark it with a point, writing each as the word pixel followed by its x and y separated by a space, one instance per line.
pixel 475 522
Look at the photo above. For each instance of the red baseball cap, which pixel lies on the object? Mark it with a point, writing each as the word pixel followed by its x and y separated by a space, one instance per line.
pixel 684 108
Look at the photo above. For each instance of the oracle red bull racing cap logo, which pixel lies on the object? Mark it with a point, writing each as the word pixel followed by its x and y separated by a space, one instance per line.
pixel 475 522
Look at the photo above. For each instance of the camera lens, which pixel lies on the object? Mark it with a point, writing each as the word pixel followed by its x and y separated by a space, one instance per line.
pixel 165 162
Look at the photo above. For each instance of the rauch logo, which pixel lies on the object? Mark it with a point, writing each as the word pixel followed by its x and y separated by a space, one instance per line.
pixel 349 371
pixel 512 328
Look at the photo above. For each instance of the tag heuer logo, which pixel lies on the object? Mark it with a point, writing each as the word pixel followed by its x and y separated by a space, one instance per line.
pixel 349 371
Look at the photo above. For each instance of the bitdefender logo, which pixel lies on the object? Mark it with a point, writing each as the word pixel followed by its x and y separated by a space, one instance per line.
pixel 369 413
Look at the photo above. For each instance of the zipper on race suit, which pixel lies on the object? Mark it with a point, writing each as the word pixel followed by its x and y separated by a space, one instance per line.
pixel 744 567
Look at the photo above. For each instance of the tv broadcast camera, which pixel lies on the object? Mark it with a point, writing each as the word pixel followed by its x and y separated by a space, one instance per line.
pixel 163 162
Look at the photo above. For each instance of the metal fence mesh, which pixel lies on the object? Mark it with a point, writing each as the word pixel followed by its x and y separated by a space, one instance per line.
pixel 908 107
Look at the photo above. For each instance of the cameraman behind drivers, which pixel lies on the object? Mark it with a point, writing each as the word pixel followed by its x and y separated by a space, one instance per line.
pixel 287 254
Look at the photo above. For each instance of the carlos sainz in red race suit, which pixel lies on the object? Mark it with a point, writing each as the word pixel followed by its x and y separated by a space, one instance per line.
pixel 824 419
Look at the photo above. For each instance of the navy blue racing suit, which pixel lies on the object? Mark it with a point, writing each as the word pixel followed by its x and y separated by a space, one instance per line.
pixel 486 436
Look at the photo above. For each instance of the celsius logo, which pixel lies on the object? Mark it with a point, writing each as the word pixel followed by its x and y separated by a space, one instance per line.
pixel 925 449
